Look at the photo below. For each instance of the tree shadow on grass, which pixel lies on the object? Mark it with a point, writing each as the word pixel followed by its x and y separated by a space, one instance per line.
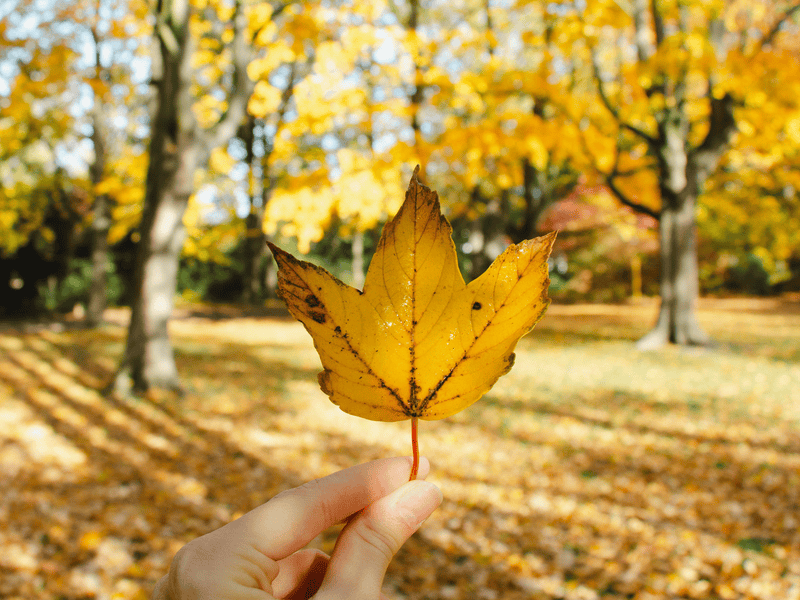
pixel 654 514
pixel 618 410
pixel 150 480
pixel 152 477
pixel 221 312
pixel 607 519
pixel 205 367
pixel 724 486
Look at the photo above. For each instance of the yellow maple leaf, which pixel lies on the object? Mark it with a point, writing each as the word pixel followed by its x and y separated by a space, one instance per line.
pixel 418 342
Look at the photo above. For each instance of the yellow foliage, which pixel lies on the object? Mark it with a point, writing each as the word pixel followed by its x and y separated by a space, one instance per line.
pixel 793 129
pixel 204 57
pixel 208 244
pixel 277 54
pixel 221 161
pixel 259 15
pixel 302 213
pixel 125 185
pixel 537 153
pixel 366 192
pixel 208 109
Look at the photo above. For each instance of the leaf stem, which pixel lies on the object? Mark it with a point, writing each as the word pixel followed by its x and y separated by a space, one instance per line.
pixel 414 449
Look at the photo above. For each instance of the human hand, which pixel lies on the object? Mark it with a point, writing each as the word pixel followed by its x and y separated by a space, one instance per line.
pixel 260 557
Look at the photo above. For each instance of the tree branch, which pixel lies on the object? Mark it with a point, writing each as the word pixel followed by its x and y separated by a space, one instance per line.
pixel 276 11
pixel 241 86
pixel 622 196
pixel 722 124
pixel 767 39
pixel 658 23
pixel 625 199
pixel 614 112
pixel 609 179
pixel 644 49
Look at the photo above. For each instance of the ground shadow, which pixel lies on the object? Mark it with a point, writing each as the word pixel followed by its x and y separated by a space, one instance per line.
pixel 620 505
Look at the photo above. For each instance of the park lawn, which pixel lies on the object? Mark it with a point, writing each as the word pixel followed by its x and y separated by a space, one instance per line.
pixel 590 471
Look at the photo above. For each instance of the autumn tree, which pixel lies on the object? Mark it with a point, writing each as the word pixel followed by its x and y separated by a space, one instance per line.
pixel 111 26
pixel 42 203
pixel 259 135
pixel 33 123
pixel 501 140
pixel 672 79
pixel 176 149
pixel 72 88
pixel 750 211
pixel 195 113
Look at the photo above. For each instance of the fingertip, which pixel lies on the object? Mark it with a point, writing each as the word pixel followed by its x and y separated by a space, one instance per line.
pixel 316 505
pixel 370 540
pixel 416 501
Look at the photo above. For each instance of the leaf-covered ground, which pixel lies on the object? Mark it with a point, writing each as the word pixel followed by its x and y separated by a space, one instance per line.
pixel 590 471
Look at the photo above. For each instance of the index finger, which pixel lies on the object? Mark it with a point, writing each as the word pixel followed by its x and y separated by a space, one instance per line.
pixel 293 518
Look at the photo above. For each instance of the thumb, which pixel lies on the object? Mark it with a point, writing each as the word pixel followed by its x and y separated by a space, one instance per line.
pixel 371 538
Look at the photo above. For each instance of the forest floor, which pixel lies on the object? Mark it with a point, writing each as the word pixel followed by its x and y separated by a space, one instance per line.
pixel 591 471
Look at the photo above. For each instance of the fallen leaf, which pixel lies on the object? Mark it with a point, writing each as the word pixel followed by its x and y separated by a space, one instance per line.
pixel 417 342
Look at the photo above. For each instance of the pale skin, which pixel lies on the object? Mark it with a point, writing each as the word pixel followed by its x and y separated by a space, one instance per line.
pixel 262 555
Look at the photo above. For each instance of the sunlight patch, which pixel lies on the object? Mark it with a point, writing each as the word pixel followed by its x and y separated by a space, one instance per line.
pixel 33 445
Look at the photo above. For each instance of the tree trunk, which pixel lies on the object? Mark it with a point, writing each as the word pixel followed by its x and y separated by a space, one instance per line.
pixel 254 247
pixel 271 278
pixel 98 289
pixel 358 259
pixel 536 201
pixel 177 147
pixel 100 217
pixel 255 240
pixel 487 236
pixel 636 276
pixel 149 360
pixel 418 93
pixel 680 180
pixel 100 225
pixel 679 287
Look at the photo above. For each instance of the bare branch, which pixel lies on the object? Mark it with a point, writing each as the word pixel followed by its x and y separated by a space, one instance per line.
pixel 610 180
pixel 276 11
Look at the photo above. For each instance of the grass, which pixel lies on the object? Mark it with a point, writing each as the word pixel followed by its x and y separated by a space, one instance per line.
pixel 590 471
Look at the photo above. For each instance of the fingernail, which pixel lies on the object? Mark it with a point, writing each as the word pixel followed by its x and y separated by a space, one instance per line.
pixel 416 501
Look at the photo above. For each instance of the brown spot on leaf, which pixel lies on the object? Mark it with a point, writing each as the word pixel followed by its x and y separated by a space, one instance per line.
pixel 312 301
pixel 476 306
pixel 317 316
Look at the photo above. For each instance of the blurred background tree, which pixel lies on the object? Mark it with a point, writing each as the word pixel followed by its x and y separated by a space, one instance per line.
pixel 151 147
pixel 671 77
